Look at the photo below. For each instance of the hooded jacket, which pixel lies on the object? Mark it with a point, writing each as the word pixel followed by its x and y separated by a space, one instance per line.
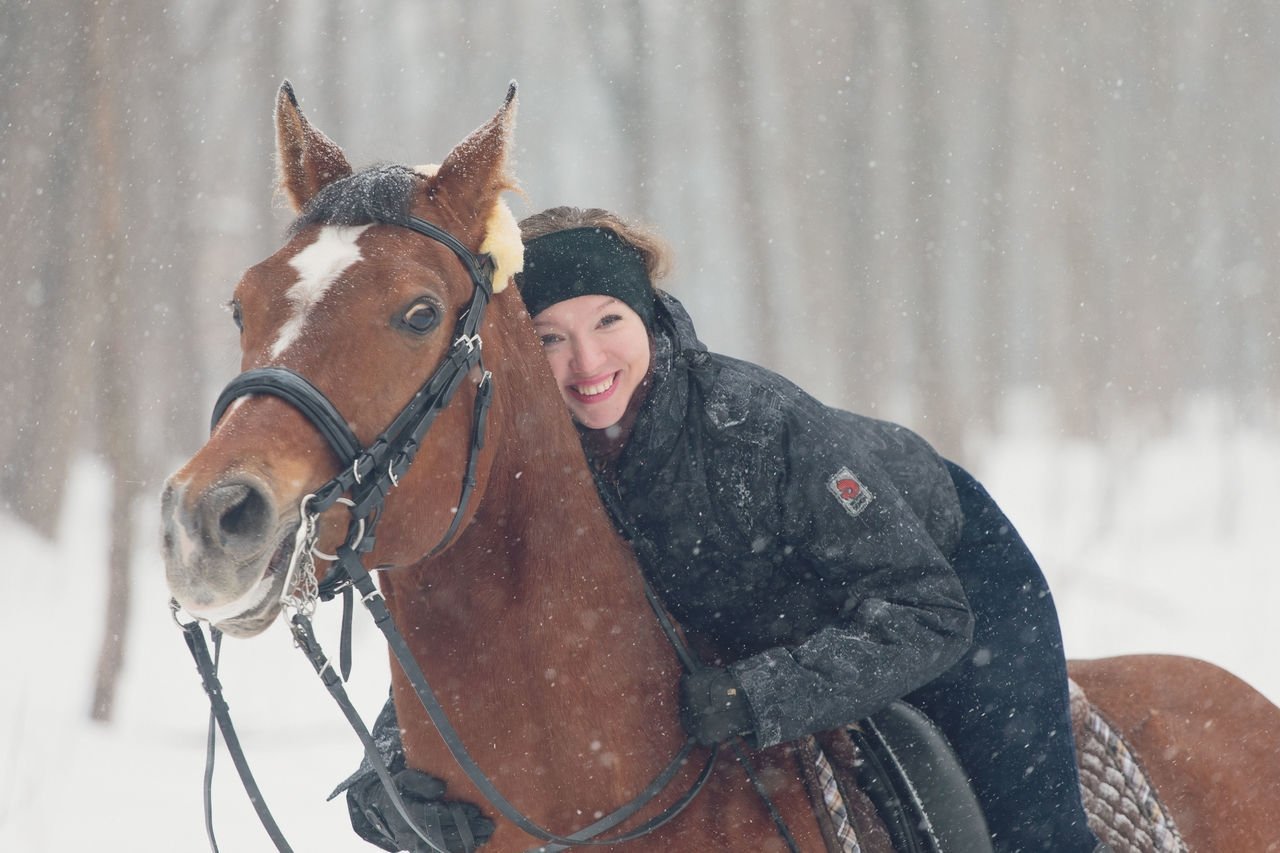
pixel 806 545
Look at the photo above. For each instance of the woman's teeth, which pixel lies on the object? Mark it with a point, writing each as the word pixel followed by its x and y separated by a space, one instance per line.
pixel 593 390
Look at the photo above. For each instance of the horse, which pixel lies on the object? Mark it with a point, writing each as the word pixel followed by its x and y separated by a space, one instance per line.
pixel 515 594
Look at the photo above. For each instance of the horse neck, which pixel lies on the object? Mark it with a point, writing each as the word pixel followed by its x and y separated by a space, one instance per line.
pixel 541 526
pixel 539 610
pixel 546 536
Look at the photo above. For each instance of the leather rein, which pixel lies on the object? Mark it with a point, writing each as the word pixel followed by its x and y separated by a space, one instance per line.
pixel 368 478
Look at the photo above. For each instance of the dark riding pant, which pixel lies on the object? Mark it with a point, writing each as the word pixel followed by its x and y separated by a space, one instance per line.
pixel 1004 705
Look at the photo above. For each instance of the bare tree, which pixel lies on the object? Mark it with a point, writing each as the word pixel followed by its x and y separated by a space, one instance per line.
pixel 992 289
pixel 927 281
pixel 116 367
pixel 48 369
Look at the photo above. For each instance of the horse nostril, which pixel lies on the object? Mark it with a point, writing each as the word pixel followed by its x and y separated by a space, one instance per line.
pixel 243 514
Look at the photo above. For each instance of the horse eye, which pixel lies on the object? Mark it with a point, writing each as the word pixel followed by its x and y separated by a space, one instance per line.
pixel 237 315
pixel 421 317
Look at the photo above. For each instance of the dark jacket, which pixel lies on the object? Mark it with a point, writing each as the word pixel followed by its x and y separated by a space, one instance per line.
pixel 807 545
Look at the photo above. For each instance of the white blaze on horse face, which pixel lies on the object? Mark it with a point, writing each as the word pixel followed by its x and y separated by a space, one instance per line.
pixel 319 266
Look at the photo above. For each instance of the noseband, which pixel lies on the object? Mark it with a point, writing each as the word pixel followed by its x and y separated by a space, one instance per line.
pixel 368 475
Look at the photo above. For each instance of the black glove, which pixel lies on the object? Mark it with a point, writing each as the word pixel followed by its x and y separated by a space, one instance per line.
pixel 713 707
pixel 375 819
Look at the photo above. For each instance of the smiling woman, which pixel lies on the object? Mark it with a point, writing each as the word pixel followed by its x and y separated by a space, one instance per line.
pixel 598 349
pixel 773 528
pixel 591 297
pixel 821 559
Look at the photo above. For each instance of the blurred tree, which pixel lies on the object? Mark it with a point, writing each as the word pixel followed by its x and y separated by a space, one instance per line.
pixel 750 191
pixel 47 318
pixel 624 52
pixel 928 283
pixel 115 312
pixel 991 234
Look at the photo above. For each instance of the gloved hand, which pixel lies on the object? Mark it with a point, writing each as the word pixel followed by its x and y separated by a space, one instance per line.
pixel 713 707
pixel 375 819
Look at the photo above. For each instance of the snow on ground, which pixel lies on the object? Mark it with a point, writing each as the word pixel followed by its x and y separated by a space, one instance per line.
pixel 1151 545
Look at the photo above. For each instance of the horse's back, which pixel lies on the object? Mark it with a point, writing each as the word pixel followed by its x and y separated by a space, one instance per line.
pixel 1209 741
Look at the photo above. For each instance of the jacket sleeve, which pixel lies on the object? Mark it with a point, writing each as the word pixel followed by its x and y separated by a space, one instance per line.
pixel 898 615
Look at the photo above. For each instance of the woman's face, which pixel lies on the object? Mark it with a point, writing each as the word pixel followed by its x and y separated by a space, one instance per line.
pixel 599 353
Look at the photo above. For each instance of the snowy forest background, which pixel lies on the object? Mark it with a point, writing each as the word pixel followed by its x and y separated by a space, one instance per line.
pixel 1045 235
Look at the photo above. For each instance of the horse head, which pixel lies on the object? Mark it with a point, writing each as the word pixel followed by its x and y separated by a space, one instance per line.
pixel 364 310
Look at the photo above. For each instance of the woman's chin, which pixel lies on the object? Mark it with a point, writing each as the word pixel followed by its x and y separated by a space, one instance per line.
pixel 596 419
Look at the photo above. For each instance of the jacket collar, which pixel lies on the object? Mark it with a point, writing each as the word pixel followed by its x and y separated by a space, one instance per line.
pixel 662 417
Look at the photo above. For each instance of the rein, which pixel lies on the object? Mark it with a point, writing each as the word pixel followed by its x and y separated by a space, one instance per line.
pixel 368 479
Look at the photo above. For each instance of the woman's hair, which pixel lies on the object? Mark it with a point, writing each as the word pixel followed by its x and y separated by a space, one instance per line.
pixel 652 248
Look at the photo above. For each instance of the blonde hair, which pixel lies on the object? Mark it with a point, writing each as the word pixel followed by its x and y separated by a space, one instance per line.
pixel 652 248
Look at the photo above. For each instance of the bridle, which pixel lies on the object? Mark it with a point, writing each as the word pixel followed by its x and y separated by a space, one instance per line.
pixel 368 478
pixel 374 471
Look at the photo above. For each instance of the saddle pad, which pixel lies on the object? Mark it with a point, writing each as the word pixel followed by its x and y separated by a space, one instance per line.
pixel 1120 802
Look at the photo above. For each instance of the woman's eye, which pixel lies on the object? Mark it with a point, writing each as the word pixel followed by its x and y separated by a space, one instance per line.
pixel 610 319
pixel 548 340
pixel 421 317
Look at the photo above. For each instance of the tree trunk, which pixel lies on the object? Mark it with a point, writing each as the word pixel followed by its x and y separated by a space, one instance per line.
pixel 43 313
pixel 933 377
pixel 115 367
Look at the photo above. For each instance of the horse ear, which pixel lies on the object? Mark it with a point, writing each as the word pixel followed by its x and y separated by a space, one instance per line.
pixel 475 173
pixel 308 159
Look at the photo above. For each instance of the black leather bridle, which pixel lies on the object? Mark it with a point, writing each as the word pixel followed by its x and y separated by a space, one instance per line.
pixel 373 472
pixel 368 478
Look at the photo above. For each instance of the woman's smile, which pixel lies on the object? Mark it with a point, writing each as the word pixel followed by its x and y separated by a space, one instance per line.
pixel 598 349
pixel 594 391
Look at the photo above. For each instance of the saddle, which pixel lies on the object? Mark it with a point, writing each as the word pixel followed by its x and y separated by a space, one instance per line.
pixel 892 782
pixel 898 766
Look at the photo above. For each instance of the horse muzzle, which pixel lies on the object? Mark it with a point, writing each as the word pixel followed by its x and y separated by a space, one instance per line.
pixel 226 551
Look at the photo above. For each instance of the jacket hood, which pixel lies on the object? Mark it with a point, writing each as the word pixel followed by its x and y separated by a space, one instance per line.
pixel 675 321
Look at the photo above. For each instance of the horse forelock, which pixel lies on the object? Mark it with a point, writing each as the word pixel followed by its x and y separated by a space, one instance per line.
pixel 379 193
pixel 384 193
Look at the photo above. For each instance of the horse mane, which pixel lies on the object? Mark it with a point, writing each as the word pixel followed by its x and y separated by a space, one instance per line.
pixel 379 193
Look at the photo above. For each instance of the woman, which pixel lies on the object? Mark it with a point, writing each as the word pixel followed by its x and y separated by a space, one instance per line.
pixel 832 563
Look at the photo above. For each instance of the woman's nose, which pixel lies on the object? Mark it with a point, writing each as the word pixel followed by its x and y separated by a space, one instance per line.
pixel 586 356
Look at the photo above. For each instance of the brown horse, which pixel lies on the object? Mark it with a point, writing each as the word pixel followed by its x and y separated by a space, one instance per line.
pixel 532 624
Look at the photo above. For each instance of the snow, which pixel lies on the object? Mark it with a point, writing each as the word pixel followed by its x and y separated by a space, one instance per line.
pixel 1151 545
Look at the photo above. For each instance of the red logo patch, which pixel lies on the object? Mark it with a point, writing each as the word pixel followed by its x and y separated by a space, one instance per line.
pixel 848 489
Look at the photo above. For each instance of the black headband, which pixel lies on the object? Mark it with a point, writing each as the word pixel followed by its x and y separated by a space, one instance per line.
pixel 581 262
